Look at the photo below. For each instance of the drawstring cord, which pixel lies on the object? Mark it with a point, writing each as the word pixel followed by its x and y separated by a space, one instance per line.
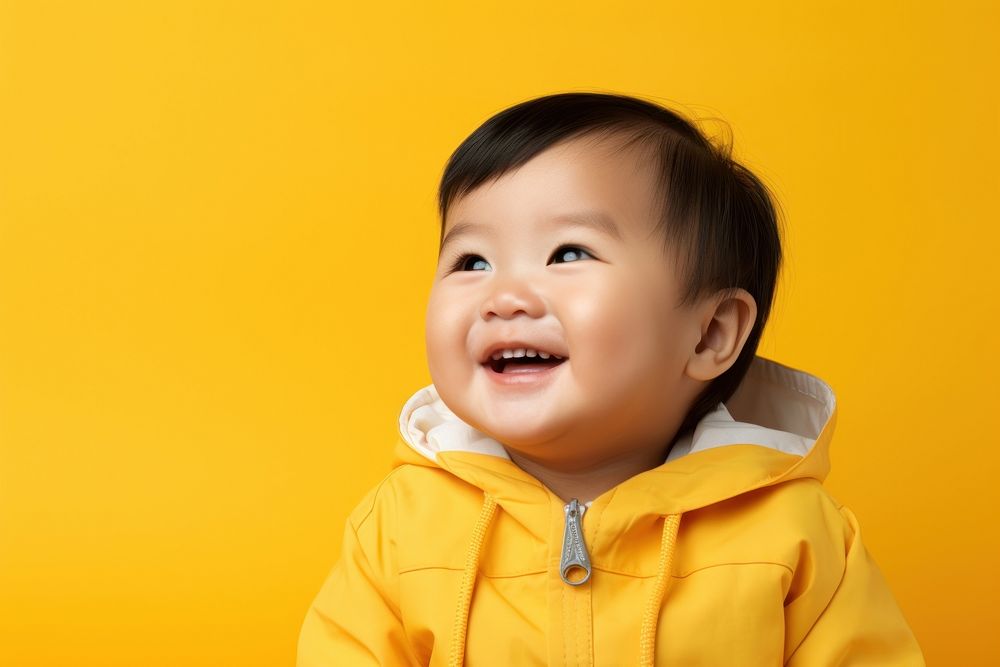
pixel 457 653
pixel 650 618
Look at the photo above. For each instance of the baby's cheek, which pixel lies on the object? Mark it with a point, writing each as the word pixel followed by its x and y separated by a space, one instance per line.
pixel 604 324
pixel 446 335
pixel 629 334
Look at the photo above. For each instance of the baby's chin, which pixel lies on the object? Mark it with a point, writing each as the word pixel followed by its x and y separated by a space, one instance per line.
pixel 524 432
pixel 520 419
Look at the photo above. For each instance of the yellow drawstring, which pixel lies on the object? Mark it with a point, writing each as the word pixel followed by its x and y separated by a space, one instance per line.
pixel 457 653
pixel 650 618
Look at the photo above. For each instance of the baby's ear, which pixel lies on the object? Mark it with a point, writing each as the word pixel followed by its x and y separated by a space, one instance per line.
pixel 726 321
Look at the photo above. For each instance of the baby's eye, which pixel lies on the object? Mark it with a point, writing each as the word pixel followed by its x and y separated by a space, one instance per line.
pixel 462 263
pixel 570 253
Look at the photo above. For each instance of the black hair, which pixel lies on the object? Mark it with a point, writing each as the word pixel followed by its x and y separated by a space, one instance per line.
pixel 717 218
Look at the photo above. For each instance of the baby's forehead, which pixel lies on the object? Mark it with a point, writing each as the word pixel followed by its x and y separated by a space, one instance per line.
pixel 596 220
pixel 557 194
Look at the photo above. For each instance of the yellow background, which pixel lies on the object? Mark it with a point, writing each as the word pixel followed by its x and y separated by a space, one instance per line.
pixel 217 234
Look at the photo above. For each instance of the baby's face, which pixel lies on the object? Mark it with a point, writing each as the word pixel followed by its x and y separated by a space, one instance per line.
pixel 600 295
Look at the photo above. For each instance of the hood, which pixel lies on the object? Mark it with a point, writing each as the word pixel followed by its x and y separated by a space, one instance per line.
pixel 776 427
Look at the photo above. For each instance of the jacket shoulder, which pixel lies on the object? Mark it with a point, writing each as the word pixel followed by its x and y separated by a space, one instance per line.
pixel 424 516
pixel 791 523
pixel 800 504
pixel 809 531
pixel 416 488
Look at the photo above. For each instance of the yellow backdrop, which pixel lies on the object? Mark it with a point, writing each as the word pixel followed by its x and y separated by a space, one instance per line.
pixel 217 235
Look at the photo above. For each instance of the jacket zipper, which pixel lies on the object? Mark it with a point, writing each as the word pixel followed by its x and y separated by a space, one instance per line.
pixel 574 551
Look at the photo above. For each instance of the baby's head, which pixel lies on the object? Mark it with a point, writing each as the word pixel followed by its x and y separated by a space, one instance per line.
pixel 612 237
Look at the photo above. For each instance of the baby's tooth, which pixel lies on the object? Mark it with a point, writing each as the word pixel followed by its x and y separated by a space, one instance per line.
pixel 507 354
pixel 543 355
pixel 496 356
pixel 519 352
pixel 530 353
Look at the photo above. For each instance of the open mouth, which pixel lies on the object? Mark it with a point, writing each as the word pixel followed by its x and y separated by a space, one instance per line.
pixel 524 364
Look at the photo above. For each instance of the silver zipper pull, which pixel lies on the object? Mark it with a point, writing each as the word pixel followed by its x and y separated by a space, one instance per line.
pixel 574 551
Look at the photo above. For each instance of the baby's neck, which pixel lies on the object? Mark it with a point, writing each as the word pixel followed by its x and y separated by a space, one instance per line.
pixel 588 483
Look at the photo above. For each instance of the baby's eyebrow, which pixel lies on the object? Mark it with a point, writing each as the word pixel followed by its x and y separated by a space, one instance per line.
pixel 597 220
pixel 461 229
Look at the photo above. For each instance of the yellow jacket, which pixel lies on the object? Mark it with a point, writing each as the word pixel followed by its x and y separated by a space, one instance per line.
pixel 729 553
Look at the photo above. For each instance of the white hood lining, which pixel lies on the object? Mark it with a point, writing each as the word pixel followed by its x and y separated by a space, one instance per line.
pixel 429 426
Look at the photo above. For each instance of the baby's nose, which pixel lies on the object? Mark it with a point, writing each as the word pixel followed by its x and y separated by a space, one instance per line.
pixel 511 296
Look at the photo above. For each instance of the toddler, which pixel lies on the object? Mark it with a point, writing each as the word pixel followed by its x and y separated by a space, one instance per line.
pixel 603 471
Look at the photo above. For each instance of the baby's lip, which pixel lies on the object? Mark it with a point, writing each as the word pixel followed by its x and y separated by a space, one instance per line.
pixel 550 349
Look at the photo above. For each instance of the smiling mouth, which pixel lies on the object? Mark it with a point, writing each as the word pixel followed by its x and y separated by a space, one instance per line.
pixel 524 364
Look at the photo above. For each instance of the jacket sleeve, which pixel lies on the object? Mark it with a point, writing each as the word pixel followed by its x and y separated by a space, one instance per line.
pixel 847 615
pixel 355 618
